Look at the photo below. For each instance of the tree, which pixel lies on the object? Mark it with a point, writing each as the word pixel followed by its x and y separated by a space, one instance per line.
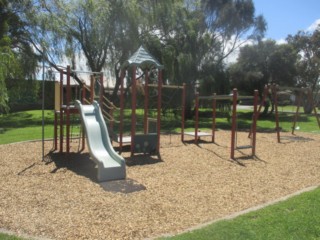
pixel 232 23
pixel 16 61
pixel 101 32
pixel 262 64
pixel 307 46
pixel 183 35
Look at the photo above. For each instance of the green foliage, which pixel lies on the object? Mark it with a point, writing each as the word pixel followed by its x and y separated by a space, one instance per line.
pixel 7 64
pixel 176 32
pixel 263 63
pixel 23 91
pixel 307 46
pixel 16 58
pixel 296 218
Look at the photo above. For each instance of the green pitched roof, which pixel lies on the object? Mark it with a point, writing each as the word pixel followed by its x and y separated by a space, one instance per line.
pixel 141 58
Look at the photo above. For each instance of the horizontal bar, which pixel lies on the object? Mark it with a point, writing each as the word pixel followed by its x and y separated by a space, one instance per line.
pixel 199 134
pixel 224 97
pixel 244 147
pixel 166 86
pixel 79 71
pixel 245 97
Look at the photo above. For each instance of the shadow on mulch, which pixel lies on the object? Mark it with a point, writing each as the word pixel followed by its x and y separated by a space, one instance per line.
pixel 143 159
pixel 295 138
pixel 200 141
pixel 81 164
pixel 122 186
pixel 78 163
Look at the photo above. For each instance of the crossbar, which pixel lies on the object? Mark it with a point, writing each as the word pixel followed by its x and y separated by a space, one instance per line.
pixel 85 72
pixel 244 147
pixel 224 97
pixel 166 86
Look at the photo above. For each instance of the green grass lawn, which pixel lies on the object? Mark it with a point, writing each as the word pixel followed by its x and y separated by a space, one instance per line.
pixel 297 218
pixel 27 125
pixel 9 237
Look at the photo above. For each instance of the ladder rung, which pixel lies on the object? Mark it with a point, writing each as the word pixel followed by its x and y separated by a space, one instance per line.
pixel 244 147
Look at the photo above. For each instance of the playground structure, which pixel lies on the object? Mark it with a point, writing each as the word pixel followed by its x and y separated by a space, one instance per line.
pixel 149 141
pixel 302 92
pixel 275 91
pixel 146 142
pixel 110 166
pixel 64 107
pixel 235 98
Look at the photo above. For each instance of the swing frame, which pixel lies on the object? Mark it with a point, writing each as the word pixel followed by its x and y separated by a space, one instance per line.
pixel 234 145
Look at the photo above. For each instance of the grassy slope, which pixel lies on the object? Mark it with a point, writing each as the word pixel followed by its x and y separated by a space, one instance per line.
pixel 297 218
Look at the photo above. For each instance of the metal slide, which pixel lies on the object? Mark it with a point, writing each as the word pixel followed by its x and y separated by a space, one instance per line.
pixel 111 166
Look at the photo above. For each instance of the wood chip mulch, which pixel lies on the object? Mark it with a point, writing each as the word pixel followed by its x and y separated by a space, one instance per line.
pixel 186 185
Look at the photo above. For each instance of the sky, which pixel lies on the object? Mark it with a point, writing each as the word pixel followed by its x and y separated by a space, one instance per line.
pixel 286 17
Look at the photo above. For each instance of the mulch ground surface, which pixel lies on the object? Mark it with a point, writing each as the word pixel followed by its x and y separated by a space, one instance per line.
pixel 184 186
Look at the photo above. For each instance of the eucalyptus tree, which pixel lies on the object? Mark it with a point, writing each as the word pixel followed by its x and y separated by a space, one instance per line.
pixel 261 64
pixel 231 24
pixel 307 46
pixel 195 36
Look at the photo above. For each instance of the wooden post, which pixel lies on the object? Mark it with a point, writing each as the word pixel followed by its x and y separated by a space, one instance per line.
pixel 214 106
pixel 92 82
pixel 264 96
pixel 234 122
pixel 196 124
pixel 313 106
pixel 183 111
pixel 55 130
pixel 254 124
pixel 61 111
pixel 310 98
pixel 159 108
pixel 146 101
pixel 83 97
pixel 68 110
pixel 133 108
pixel 121 107
pixel 101 92
pixel 275 98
